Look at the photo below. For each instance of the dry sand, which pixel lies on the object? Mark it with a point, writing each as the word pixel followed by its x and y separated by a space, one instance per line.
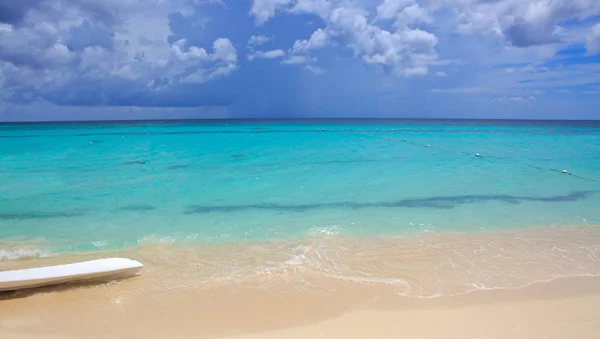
pixel 564 308
pixel 567 308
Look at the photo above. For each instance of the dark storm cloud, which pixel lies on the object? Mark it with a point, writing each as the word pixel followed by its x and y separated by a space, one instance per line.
pixel 13 11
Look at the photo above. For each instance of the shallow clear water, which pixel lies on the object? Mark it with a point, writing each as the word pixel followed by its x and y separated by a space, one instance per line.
pixel 82 187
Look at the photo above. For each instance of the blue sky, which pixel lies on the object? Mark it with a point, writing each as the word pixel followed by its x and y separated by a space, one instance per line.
pixel 160 59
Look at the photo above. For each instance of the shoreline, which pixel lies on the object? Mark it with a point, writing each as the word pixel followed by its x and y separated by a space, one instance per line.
pixel 424 265
pixel 327 287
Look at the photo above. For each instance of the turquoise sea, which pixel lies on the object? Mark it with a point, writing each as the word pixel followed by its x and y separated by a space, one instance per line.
pixel 78 187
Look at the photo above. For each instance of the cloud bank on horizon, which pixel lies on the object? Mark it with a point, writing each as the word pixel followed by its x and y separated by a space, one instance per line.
pixel 134 59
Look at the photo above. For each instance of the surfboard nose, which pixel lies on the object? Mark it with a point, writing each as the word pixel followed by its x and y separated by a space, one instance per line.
pixel 101 269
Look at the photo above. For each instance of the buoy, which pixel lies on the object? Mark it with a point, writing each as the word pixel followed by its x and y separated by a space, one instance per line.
pixel 564 171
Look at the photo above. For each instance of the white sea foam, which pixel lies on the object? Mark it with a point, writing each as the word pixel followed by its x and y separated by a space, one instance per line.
pixel 156 240
pixel 299 256
pixel 100 244
pixel 22 253
pixel 325 230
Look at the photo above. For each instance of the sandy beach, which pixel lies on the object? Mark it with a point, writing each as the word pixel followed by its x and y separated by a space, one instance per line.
pixel 564 308
pixel 540 283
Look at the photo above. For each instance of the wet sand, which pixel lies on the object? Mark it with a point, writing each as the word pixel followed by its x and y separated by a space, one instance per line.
pixel 530 284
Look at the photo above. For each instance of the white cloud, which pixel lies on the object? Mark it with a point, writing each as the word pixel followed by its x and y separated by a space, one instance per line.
pixel 224 59
pixel 270 54
pixel 405 12
pixel 592 43
pixel 405 52
pixel 257 40
pixel 58 54
pixel 413 15
pixel 321 8
pixel 315 69
pixel 440 74
pixel 522 22
pixel 514 31
pixel 295 60
pixel 263 10
pixel 317 40
pixel 388 9
pixel 67 43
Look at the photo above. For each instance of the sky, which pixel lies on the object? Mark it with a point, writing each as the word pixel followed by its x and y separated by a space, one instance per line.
pixel 205 59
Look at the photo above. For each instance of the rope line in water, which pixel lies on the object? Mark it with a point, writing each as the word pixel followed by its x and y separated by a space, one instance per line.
pixel 502 158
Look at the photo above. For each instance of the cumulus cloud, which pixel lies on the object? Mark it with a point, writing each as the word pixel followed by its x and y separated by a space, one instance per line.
pixel 405 12
pixel 50 47
pixel 270 54
pixel 592 44
pixel 263 10
pixel 522 23
pixel 440 74
pixel 317 40
pixel 223 61
pixel 399 36
pixel 403 52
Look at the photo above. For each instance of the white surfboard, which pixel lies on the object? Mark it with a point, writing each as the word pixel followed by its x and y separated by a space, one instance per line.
pixel 102 269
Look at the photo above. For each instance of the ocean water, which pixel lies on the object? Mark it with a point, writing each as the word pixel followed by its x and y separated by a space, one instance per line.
pixel 421 208
pixel 103 186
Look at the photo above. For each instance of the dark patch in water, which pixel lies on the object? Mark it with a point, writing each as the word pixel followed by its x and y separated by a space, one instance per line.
pixel 440 202
pixel 39 215
pixel 140 208
pixel 238 156
pixel 138 162
pixel 68 169
pixel 176 167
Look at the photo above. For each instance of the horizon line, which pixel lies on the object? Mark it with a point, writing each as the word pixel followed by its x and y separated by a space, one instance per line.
pixel 283 119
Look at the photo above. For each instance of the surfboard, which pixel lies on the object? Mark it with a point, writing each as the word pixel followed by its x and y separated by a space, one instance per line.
pixel 102 269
